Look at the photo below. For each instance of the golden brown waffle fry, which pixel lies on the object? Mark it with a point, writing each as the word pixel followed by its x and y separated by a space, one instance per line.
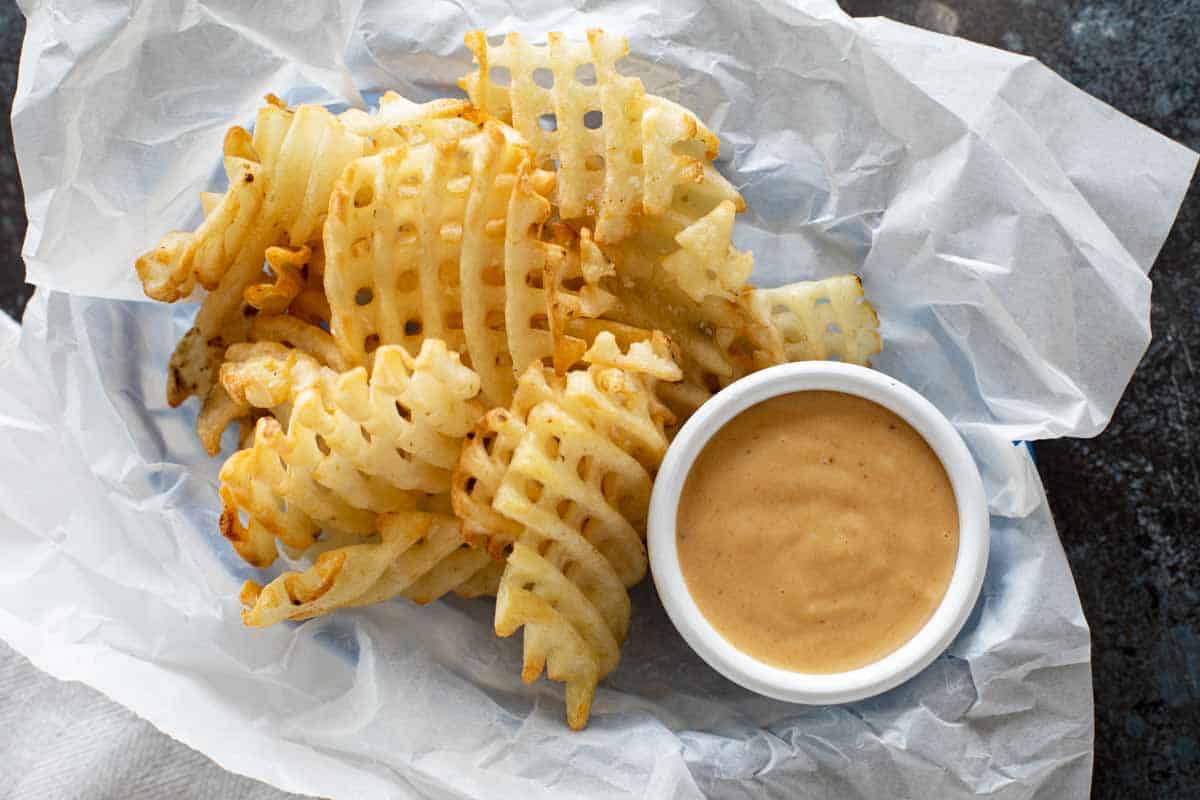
pixel 619 152
pixel 289 165
pixel 566 477
pixel 354 446
pixel 413 552
pixel 706 263
pixel 564 632
pixel 181 260
pixel 282 465
pixel 561 481
pixel 822 319
pixel 442 240
pixel 402 426
pixel 265 499
pixel 391 246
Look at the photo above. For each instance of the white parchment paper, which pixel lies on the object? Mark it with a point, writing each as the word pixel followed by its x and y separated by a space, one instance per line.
pixel 1003 223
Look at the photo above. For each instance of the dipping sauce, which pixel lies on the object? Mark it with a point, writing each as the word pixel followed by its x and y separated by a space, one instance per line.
pixel 817 531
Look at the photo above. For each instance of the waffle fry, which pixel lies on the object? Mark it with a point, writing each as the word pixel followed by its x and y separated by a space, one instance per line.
pixel 564 632
pixel 408 555
pixel 402 425
pixel 280 182
pixel 619 152
pixel 822 319
pixel 706 263
pixel 441 240
pixel 266 495
pixel 561 483
pixel 354 446
pixel 182 260
pixel 467 571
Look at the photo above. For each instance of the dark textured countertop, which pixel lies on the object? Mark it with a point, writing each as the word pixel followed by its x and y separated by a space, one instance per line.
pixel 1127 503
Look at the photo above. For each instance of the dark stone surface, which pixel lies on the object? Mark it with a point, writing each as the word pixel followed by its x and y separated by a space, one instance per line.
pixel 1128 502
pixel 13 289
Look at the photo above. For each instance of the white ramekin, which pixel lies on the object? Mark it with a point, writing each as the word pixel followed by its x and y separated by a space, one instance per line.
pixel 969 568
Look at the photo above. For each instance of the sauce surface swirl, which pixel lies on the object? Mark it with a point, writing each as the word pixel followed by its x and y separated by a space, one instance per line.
pixel 817 531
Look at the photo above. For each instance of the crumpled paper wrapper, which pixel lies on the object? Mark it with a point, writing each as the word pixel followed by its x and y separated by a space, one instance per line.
pixel 1003 223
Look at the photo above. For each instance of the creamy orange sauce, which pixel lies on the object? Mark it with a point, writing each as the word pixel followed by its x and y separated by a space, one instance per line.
pixel 817 531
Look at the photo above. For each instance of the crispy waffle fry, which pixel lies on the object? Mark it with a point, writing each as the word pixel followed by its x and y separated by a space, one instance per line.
pixel 267 495
pixel 566 477
pixel 467 571
pixel 413 553
pixel 564 632
pixel 289 165
pixel 181 260
pixel 706 264
pixel 442 240
pixel 440 541
pixel 354 446
pixel 822 319
pixel 334 580
pixel 561 482
pixel 402 426
pixel 394 223
pixel 619 152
